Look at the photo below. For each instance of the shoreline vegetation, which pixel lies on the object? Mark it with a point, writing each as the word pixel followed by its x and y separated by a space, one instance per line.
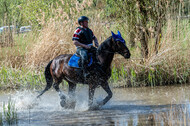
pixel 158 39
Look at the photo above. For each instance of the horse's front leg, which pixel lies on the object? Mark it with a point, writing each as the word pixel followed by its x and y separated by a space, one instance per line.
pixel 106 87
pixel 91 94
pixel 72 88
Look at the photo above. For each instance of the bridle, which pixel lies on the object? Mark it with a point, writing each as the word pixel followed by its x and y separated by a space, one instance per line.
pixel 114 52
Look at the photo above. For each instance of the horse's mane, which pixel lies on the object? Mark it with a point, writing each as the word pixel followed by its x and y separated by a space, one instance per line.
pixel 104 44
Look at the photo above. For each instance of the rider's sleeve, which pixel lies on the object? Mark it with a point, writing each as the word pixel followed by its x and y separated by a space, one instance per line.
pixel 76 35
pixel 93 36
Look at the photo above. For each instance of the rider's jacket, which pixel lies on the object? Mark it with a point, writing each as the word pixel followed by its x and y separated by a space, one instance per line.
pixel 83 35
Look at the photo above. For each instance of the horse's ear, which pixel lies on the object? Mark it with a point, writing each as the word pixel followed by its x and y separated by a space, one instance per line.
pixel 119 33
pixel 113 35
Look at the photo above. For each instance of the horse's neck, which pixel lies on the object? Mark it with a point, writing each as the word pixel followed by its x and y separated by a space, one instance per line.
pixel 106 54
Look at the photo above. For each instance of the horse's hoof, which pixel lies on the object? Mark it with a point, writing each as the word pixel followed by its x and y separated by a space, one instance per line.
pixel 63 97
pixel 100 104
pixel 73 104
pixel 70 105
pixel 63 103
pixel 94 107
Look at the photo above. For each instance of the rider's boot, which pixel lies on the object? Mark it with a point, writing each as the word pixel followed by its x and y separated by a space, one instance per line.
pixel 86 73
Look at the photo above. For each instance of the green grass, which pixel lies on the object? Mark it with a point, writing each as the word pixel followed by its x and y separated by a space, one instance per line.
pixel 1 119
pixel 15 74
pixel 10 113
pixel 162 74
pixel 155 76
pixel 12 78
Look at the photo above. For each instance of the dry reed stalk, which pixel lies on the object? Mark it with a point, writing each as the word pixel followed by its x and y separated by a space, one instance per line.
pixel 170 54
pixel 56 36
pixel 53 41
pixel 10 59
pixel 56 39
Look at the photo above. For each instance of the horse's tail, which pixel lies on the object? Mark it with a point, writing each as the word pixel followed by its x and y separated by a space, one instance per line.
pixel 49 78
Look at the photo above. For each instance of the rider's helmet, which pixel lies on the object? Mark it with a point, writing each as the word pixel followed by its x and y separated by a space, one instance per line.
pixel 82 18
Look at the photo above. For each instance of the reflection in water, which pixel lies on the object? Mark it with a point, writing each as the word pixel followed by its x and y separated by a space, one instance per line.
pixel 129 107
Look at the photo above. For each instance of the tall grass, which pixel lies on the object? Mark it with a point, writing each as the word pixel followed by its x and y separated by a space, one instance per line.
pixel 12 78
pixel 10 115
pixel 14 56
pixel 56 36
pixel 170 65
pixel 1 119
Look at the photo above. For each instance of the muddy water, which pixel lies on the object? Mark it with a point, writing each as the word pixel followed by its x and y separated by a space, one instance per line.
pixel 167 105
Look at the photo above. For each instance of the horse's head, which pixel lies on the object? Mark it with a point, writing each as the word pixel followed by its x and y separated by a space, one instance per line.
pixel 119 45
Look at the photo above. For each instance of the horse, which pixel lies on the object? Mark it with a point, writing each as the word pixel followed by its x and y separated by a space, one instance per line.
pixel 58 69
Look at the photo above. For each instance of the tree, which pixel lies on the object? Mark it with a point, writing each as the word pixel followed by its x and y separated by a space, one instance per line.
pixel 142 15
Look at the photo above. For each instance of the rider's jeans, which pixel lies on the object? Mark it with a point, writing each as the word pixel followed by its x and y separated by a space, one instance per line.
pixel 84 56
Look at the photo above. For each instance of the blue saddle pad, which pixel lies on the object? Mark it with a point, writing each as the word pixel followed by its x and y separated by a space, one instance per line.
pixel 74 60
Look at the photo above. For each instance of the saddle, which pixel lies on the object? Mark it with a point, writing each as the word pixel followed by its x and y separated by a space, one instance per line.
pixel 75 60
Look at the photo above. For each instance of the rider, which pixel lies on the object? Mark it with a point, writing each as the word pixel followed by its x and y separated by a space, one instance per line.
pixel 83 39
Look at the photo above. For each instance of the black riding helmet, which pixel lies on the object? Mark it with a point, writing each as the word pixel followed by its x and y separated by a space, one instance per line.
pixel 82 18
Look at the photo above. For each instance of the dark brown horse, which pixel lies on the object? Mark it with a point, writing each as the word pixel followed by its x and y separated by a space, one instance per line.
pixel 58 69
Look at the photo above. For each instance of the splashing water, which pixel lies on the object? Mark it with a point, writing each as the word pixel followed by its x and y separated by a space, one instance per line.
pixel 127 105
pixel 49 102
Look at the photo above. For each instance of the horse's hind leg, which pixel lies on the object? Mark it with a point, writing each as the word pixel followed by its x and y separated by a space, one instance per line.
pixel 61 94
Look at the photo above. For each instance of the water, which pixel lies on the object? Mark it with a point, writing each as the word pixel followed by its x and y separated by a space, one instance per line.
pixel 165 105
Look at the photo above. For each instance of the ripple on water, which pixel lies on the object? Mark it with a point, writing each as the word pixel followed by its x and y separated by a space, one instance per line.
pixel 136 106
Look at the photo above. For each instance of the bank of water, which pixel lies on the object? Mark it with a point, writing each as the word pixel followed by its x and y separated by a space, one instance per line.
pixel 164 105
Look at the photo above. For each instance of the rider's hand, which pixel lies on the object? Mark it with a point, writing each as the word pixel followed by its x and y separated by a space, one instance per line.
pixel 88 46
pixel 96 44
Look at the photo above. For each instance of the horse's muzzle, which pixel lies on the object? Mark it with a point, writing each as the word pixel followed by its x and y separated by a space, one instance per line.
pixel 127 55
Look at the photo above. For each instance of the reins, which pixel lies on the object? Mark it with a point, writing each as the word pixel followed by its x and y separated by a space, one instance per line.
pixel 105 51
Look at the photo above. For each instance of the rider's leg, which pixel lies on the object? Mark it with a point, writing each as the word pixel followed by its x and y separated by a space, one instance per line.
pixel 93 50
pixel 84 57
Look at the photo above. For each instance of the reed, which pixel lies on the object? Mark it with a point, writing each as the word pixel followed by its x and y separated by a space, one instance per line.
pixel 23 63
pixel 10 113
pixel 115 74
pixel 1 118
pixel 14 56
pixel 12 78
pixel 169 66
pixel 56 36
